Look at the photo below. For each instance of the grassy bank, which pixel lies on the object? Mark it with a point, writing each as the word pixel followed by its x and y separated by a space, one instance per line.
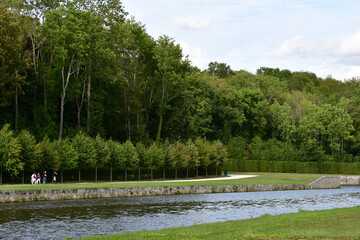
pixel 326 224
pixel 263 178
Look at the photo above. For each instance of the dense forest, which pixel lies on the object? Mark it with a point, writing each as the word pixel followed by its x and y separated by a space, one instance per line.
pixel 82 72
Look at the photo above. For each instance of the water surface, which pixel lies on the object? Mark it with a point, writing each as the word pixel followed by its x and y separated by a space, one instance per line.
pixel 78 218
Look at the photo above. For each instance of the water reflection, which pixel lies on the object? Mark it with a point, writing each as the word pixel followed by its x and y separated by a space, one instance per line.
pixel 77 218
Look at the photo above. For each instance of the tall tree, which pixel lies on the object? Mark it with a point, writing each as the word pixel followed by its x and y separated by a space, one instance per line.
pixel 221 70
pixel 9 152
pixel 30 154
pixel 86 151
pixel 49 156
pixel 130 155
pixel 14 59
pixel 169 65
pixel 103 154
pixel 116 156
pixel 65 25
pixel 67 154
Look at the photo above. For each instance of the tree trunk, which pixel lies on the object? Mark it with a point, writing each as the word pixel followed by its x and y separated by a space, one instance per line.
pixel 0 176
pixel 164 173
pixel 139 174
pixel 110 173
pixel 16 109
pixel 129 121
pixel 65 84
pixel 187 173
pixel 197 171
pixel 35 65
pixel 62 115
pixel 96 174
pixel 23 177
pixel 89 98
pixel 138 123
pixel 216 170
pixel 206 170
pixel 125 173
pixel 62 178
pixel 175 173
pixel 79 175
pixel 127 114
pixel 80 105
pixel 158 135
pixel 151 173
pixel 45 83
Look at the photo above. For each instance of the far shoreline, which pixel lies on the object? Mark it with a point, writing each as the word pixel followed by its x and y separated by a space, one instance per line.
pixel 324 182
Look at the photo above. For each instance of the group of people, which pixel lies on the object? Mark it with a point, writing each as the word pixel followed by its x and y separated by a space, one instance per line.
pixel 36 178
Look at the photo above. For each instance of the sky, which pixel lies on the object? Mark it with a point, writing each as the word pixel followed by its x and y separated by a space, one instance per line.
pixel 320 36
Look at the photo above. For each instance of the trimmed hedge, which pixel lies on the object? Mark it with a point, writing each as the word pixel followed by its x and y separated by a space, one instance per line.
pixel 292 167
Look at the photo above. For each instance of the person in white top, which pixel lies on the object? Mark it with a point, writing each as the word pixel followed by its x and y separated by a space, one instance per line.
pixel 33 178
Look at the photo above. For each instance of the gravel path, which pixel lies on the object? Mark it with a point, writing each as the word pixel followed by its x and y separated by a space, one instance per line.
pixel 229 177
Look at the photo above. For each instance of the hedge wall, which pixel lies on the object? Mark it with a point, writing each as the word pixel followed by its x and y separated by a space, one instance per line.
pixel 292 167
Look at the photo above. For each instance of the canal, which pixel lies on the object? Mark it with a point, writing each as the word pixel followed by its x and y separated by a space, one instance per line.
pixel 78 218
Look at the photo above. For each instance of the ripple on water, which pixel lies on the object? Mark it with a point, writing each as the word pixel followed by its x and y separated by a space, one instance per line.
pixel 77 218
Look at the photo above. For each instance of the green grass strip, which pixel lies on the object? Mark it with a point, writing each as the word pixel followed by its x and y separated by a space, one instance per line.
pixel 263 178
pixel 341 223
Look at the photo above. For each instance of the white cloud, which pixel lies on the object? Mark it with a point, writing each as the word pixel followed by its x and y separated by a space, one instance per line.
pixel 340 72
pixel 337 55
pixel 349 45
pixel 342 46
pixel 196 55
pixel 192 23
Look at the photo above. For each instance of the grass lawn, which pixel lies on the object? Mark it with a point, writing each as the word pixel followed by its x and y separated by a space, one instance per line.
pixel 341 223
pixel 263 178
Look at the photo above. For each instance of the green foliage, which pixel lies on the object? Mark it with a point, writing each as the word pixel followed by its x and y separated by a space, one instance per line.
pixel 10 150
pixel 168 161
pixel 219 154
pixel 130 155
pixel 238 148
pixel 300 81
pixel 191 155
pixel 205 152
pixel 179 154
pixel 14 56
pixel 142 153
pixel 103 151
pixel 49 156
pixel 325 126
pixel 116 153
pixel 93 68
pixel 67 153
pixel 84 146
pixel 275 72
pixel 30 153
pixel 155 156
pixel 281 121
pixel 221 70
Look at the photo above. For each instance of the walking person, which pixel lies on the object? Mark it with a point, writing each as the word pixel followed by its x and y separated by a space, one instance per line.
pixel 44 177
pixel 38 178
pixel 54 177
pixel 33 178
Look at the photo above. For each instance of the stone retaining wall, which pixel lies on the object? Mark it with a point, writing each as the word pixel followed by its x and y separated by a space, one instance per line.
pixel 334 181
pixel 36 195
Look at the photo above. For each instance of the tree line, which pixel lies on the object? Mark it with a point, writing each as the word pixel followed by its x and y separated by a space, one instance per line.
pixel 22 153
pixel 85 66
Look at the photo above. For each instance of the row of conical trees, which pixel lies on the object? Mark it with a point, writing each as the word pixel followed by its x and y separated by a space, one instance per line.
pixel 22 153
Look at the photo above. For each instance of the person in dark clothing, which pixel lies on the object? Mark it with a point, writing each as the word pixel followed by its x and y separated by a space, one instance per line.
pixel 44 177
pixel 54 177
